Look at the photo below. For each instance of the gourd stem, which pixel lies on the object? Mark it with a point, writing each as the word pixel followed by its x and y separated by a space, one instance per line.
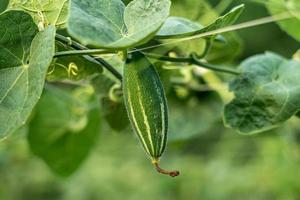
pixel 173 173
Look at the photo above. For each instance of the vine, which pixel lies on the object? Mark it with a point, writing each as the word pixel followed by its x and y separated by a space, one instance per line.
pixel 142 49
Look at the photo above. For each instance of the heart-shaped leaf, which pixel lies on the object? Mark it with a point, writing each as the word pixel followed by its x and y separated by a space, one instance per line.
pixel 24 60
pixel 109 24
pixel 64 128
pixel 178 27
pixel 267 94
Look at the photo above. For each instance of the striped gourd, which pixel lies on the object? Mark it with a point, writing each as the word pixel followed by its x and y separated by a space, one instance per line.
pixel 146 106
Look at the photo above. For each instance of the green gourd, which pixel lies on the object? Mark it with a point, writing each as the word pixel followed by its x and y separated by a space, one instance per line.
pixel 146 106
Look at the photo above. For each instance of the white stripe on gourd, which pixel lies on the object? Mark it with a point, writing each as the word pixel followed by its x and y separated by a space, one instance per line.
pixel 132 114
pixel 146 122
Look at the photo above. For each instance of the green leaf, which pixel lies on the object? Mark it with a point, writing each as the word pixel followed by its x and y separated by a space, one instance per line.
pixel 177 27
pixel 53 12
pixel 22 68
pixel 292 25
pixel 64 128
pixel 266 94
pixel 109 24
pixel 226 52
pixel 3 5
pixel 102 84
pixel 193 117
pixel 200 12
pixel 115 114
pixel 113 111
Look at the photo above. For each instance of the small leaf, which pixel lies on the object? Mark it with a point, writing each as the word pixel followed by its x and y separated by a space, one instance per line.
pixel 64 128
pixel 102 85
pixel 22 68
pixel 52 12
pixel 228 51
pixel 109 24
pixel 266 94
pixel 177 27
pixel 292 25
pixel 115 114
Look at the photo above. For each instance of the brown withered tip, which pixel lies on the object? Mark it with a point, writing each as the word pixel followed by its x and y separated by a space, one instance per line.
pixel 174 173
pixel 166 172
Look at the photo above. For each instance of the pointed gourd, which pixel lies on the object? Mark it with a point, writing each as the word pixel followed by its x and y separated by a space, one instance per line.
pixel 146 106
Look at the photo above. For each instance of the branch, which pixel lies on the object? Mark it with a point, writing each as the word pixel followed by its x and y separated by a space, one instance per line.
pixel 77 46
pixel 197 62
pixel 194 61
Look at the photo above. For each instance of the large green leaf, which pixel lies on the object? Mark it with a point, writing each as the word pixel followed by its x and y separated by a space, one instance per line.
pixel 22 68
pixel 177 27
pixel 267 94
pixel 109 24
pixel 292 25
pixel 64 128
pixel 46 11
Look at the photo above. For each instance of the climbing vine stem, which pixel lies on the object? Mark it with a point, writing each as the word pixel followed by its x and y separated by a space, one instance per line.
pixel 192 59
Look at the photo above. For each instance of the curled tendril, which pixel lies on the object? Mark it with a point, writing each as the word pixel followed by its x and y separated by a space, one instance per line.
pixel 72 69
pixel 114 94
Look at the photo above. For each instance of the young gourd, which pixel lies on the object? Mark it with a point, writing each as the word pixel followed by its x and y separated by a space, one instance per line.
pixel 146 106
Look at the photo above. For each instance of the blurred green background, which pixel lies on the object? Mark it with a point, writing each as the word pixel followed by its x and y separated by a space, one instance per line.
pixel 215 163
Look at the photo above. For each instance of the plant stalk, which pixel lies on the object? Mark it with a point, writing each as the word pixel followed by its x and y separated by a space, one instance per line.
pixel 82 52
pixel 193 60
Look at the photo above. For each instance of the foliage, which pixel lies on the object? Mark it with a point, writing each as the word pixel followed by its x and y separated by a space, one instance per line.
pixel 116 26
pixel 266 94
pixel 64 128
pixel 153 64
pixel 24 62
